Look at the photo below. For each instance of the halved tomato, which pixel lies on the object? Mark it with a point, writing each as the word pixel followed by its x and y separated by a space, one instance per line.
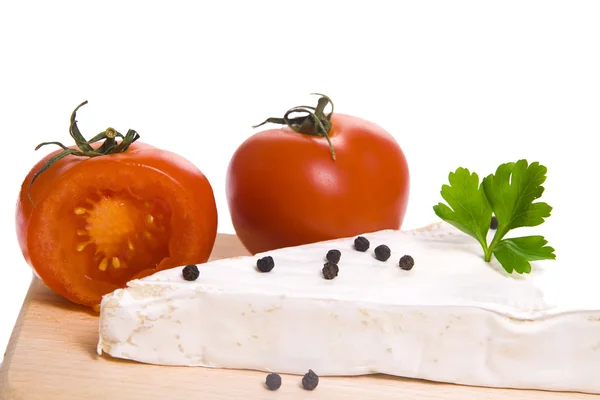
pixel 90 223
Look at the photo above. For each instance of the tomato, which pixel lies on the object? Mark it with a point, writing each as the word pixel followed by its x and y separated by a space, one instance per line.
pixel 319 177
pixel 94 223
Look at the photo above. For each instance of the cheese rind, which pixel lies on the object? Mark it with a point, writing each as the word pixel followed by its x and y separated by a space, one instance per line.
pixel 453 318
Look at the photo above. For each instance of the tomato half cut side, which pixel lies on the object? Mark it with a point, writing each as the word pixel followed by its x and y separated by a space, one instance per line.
pixel 111 219
pixel 93 216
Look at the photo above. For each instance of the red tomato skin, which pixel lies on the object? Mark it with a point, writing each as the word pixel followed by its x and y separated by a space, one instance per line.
pixel 284 189
pixel 69 181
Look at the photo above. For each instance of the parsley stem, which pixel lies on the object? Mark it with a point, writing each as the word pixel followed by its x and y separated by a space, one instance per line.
pixel 497 238
pixel 488 254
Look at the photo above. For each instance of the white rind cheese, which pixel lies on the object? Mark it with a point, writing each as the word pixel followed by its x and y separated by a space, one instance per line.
pixel 452 318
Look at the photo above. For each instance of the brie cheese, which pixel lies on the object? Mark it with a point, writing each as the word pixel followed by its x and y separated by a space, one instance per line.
pixel 452 318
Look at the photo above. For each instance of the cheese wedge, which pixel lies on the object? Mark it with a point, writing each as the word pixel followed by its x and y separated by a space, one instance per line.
pixel 452 318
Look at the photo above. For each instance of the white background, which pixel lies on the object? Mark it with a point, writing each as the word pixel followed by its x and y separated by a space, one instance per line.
pixel 458 83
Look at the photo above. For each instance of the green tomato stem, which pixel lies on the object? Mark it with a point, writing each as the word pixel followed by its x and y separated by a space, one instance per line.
pixel 84 146
pixel 314 123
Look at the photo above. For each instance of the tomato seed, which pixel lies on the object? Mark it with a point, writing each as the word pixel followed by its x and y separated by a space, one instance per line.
pixel 103 264
pixel 81 246
pixel 80 210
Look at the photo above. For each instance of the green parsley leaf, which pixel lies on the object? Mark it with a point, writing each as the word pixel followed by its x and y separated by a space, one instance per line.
pixel 515 254
pixel 469 209
pixel 511 261
pixel 510 194
pixel 531 248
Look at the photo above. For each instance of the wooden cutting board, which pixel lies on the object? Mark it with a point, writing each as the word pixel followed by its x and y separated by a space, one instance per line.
pixel 52 355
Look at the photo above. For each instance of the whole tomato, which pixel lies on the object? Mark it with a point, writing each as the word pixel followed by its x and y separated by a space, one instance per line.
pixel 92 217
pixel 318 177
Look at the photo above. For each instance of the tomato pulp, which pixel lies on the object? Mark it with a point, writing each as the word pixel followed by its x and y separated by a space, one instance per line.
pixel 99 222
pixel 287 188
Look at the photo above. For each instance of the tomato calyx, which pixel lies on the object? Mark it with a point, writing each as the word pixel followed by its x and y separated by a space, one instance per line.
pixel 314 123
pixel 84 146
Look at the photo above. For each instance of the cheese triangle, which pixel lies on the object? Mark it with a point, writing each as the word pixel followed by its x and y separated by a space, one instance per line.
pixel 452 318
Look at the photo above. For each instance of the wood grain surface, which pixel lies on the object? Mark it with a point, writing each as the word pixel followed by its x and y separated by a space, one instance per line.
pixel 52 355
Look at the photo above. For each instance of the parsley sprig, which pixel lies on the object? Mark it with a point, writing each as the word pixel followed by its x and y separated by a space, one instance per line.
pixel 509 194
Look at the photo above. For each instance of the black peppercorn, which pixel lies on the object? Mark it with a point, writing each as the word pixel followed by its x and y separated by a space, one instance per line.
pixel 361 243
pixel 330 270
pixel 310 380
pixel 382 252
pixel 406 263
pixel 265 264
pixel 494 223
pixel 190 272
pixel 333 256
pixel 273 381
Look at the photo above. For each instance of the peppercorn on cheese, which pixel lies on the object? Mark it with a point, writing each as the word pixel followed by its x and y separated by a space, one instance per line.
pixel 451 318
